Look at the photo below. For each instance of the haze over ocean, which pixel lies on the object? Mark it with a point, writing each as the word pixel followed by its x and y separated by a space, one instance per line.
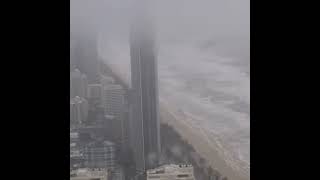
pixel 203 57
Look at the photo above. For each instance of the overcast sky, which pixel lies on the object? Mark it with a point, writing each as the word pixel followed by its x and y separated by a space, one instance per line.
pixel 182 19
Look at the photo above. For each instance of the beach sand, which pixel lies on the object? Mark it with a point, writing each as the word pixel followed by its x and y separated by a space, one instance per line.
pixel 203 145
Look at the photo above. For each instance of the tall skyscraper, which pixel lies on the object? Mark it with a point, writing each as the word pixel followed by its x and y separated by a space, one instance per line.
pixel 84 54
pixel 144 122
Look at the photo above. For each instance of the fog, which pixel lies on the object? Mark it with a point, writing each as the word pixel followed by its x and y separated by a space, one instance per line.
pixel 225 22
pixel 203 57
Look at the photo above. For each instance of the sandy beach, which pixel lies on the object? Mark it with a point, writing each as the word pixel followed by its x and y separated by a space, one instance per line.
pixel 204 145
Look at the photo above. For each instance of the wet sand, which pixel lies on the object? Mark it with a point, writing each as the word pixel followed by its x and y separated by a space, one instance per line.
pixel 205 147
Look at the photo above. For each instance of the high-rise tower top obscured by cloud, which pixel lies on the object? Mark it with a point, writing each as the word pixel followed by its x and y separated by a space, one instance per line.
pixel 84 54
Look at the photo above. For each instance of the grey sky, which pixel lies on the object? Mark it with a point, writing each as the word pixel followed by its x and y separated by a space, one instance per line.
pixel 194 19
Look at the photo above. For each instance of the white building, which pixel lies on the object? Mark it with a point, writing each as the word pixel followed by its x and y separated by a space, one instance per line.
pixel 78 110
pixel 171 172
pixel 89 174
pixel 78 84
pixel 113 100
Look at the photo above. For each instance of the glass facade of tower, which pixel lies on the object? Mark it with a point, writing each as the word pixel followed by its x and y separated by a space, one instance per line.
pixel 145 135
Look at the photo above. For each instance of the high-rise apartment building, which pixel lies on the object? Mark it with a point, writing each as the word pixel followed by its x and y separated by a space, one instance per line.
pixel 113 100
pixel 84 54
pixel 144 123
pixel 114 105
pixel 100 155
pixel 78 84
pixel 78 110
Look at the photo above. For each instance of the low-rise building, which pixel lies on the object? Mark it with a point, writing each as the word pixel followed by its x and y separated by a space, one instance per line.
pixel 171 172
pixel 89 174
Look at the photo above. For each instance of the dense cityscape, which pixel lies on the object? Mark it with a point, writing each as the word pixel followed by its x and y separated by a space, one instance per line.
pixel 159 90
pixel 116 131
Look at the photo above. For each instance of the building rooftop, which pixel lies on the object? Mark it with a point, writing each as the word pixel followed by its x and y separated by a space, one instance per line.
pixel 168 168
pixel 86 173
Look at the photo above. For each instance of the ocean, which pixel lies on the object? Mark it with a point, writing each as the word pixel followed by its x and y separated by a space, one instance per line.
pixel 209 85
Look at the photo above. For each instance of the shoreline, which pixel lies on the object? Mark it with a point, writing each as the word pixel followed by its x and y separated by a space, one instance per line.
pixel 204 144
pixel 212 151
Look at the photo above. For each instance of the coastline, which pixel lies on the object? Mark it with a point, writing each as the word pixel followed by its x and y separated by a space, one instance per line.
pixel 202 141
pixel 211 150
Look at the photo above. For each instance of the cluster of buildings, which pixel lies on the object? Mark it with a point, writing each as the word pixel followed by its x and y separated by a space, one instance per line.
pixel 104 121
pixel 165 172
pixel 97 106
